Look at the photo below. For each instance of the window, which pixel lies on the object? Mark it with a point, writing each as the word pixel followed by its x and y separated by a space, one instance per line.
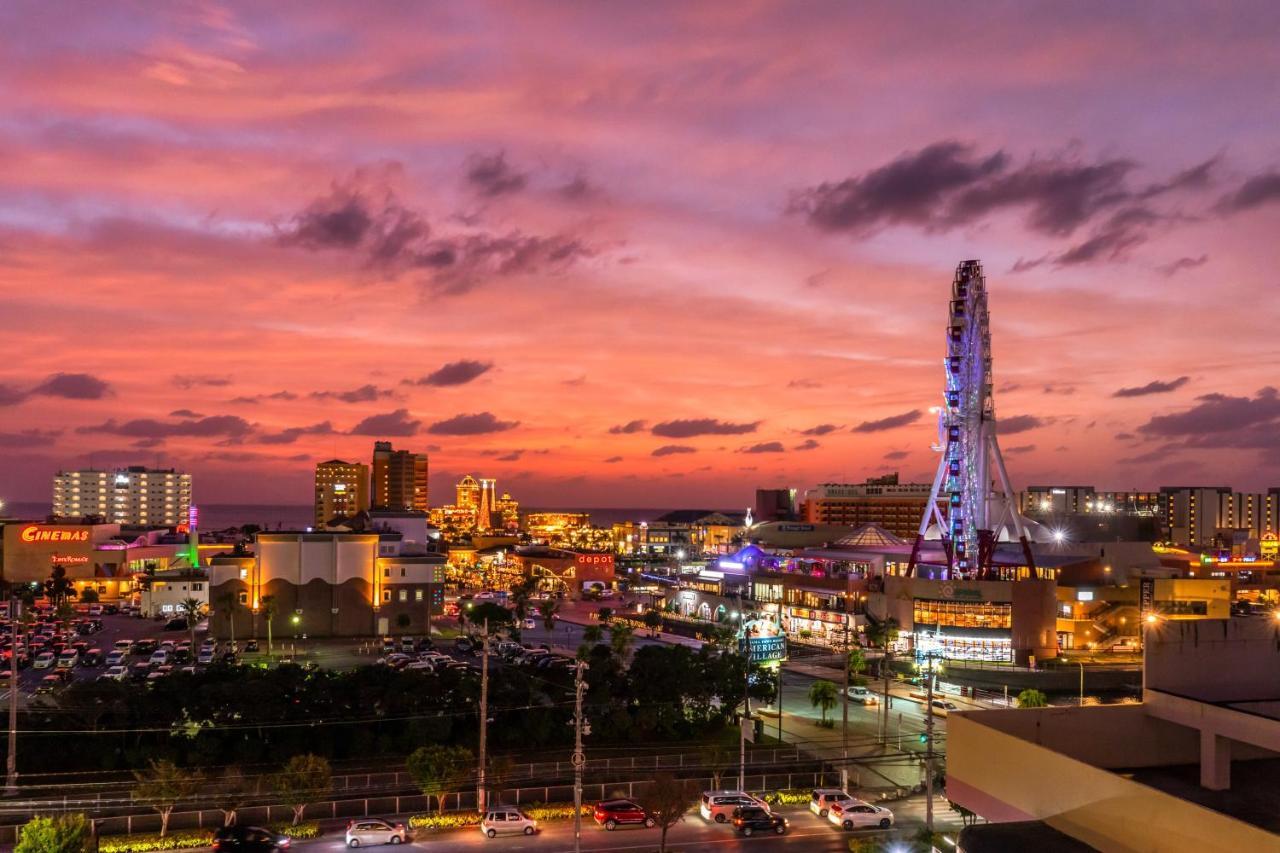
pixel 404 595
pixel 197 587
pixel 402 571
pixel 386 595
pixel 244 598
pixel 417 595
pixel 957 614
pixel 386 573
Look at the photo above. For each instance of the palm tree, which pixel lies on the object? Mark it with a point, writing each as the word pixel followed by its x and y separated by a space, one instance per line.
pixel 269 610
pixel 549 608
pixel 823 695
pixel 227 603
pixel 620 640
pixel 191 613
pixel 881 634
pixel 1032 698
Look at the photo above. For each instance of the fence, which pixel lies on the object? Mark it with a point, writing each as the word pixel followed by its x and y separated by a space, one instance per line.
pixel 461 801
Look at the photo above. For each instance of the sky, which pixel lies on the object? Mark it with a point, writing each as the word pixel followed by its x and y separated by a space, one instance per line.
pixel 634 254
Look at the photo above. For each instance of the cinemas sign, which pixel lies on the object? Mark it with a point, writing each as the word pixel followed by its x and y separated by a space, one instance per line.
pixel 42 533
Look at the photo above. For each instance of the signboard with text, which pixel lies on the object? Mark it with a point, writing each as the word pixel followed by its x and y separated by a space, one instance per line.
pixel 763 641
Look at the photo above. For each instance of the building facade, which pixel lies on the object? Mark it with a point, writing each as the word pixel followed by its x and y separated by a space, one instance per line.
pixel 399 478
pixel 897 507
pixel 331 584
pixel 342 488
pixel 130 496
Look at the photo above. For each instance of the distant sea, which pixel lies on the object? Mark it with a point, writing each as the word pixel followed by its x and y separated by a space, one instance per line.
pixel 293 517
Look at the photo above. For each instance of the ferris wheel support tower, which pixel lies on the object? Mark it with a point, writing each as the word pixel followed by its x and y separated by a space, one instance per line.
pixel 967 507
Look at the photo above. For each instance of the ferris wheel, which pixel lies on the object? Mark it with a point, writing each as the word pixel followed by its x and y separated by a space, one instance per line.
pixel 967 510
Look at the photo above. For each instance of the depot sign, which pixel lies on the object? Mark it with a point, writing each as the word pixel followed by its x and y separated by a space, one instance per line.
pixel 41 533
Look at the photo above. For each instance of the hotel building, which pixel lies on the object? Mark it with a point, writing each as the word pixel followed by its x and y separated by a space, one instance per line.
pixel 131 496
pixel 342 488
pixel 399 478
pixel 897 507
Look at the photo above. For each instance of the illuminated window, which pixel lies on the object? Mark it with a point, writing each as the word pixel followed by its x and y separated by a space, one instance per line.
pixel 417 595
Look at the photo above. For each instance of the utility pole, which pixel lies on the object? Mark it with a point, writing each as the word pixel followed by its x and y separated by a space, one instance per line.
pixel 580 688
pixel 844 710
pixel 928 750
pixel 11 767
pixel 484 715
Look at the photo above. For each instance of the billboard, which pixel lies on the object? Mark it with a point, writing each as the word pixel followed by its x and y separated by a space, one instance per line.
pixel 763 641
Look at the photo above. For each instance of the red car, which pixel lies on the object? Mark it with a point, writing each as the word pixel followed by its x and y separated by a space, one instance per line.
pixel 613 813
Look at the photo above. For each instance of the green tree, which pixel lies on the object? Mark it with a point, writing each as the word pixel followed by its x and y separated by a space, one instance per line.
pixel 162 786
pixel 269 612
pixel 190 610
pixel 620 637
pixel 90 596
pixel 438 770
pixel 666 799
pixel 488 611
pixel 303 779
pixel 591 636
pixel 69 833
pixel 823 695
pixel 520 596
pixel 604 614
pixel 857 663
pixel 1032 698
pixel 230 792
pixel 653 619
pixel 716 760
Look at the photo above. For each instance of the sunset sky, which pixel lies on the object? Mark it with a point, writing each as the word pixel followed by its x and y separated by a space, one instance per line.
pixel 650 254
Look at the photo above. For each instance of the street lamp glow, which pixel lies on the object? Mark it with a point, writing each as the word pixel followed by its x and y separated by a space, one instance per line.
pixel 1152 619
pixel 1059 535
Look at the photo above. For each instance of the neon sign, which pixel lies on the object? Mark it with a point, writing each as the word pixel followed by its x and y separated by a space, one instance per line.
pixel 37 533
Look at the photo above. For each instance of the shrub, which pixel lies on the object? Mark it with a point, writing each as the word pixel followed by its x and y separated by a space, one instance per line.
pixel 183 840
pixel 62 834
pixel 466 820
pixel 309 829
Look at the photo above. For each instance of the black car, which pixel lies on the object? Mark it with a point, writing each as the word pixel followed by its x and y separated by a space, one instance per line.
pixel 178 623
pixel 248 839
pixel 251 646
pixel 749 820
pixel 465 645
pixel 145 647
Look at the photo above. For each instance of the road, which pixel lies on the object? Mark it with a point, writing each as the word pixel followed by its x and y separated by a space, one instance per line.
pixel 807 833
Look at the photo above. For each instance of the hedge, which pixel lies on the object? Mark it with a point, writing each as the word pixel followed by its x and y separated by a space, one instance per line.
pixel 191 838
pixel 179 840
pixel 464 820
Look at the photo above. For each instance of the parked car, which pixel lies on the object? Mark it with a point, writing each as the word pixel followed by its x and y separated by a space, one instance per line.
pixel 507 819
pixel 372 830
pixel 750 820
pixel 48 684
pixel 941 707
pixel 44 660
pixel 177 623
pixel 248 839
pixel 205 656
pixel 614 813
pixel 822 798
pixel 145 646
pixel 855 814
pixel 251 646
pixel 862 695
pixel 114 673
pixel 159 657
pixel 139 671
pixel 719 805
pixel 68 659
pixel 93 657
pixel 124 646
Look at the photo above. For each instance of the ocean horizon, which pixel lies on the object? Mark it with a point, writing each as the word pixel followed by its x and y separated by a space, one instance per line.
pixel 298 516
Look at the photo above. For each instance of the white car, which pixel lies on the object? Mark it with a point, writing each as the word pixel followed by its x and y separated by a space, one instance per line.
pixel 855 814
pixel 507 819
pixel 205 656
pixel 862 695
pixel 941 707
pixel 823 798
pixel 371 830
pixel 115 658
pixel 68 659
pixel 159 657
pixel 44 660
pixel 719 805
pixel 115 673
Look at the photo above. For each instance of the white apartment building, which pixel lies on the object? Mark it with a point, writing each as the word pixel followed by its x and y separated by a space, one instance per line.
pixel 130 496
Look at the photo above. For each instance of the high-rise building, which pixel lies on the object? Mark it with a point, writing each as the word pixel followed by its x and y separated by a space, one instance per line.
pixel 399 478
pixel 775 505
pixel 468 493
pixel 133 495
pixel 342 488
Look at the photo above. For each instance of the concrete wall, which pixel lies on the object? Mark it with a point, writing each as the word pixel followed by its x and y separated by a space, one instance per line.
pixel 1004 777
pixel 1215 659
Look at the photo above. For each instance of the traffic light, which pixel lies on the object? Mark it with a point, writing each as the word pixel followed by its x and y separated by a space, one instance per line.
pixel 924 738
